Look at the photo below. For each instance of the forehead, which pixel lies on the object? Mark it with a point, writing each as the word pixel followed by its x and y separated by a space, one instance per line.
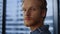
pixel 31 1
pixel 28 3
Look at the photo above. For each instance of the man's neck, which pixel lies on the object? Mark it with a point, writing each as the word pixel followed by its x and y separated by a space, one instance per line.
pixel 36 26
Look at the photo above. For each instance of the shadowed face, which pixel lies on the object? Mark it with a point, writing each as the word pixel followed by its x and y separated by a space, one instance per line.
pixel 32 13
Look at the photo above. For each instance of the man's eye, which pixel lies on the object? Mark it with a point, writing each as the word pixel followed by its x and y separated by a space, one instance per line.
pixel 33 9
pixel 24 9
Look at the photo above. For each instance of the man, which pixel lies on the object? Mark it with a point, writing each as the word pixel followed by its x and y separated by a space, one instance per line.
pixel 34 15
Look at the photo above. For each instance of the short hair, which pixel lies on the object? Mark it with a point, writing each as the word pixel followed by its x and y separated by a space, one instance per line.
pixel 43 4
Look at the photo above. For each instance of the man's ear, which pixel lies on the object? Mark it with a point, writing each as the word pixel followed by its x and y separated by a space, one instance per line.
pixel 43 13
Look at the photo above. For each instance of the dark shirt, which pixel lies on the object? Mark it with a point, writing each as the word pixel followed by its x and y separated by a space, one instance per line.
pixel 41 30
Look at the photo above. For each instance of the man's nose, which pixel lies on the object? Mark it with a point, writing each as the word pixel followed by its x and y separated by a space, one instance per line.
pixel 28 13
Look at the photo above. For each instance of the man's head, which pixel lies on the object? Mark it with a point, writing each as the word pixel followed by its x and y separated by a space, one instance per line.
pixel 34 11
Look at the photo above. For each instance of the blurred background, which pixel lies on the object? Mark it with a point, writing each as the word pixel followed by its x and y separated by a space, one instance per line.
pixel 14 17
pixel 59 17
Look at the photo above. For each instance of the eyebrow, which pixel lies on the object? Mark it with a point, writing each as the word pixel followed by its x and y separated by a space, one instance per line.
pixel 32 7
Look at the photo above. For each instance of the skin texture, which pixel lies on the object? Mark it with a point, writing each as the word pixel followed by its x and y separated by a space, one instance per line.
pixel 33 14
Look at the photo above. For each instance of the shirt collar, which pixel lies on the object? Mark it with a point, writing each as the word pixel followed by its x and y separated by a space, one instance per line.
pixel 40 29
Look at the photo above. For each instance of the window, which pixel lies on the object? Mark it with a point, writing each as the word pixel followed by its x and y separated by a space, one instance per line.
pixel 1 13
